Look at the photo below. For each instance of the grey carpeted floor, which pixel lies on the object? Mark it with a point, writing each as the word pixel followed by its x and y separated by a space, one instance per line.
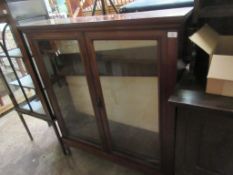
pixel 43 156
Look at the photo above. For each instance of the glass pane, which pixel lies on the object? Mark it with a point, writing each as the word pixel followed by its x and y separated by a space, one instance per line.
pixel 128 75
pixel 5 101
pixel 26 82
pixel 66 72
pixel 16 62
pixel 10 77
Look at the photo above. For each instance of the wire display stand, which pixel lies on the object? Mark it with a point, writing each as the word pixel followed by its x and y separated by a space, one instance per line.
pixel 104 11
pixel 31 105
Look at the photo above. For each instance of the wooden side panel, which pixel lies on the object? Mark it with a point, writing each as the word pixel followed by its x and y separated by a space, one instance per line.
pixel 204 142
pixel 169 54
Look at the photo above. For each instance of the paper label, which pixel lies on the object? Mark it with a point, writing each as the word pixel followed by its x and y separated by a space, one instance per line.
pixel 172 34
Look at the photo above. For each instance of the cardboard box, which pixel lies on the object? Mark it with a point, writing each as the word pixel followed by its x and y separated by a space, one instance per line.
pixel 220 49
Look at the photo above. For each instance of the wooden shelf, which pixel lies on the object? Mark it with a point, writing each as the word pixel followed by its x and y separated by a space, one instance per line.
pixel 26 82
pixel 202 100
pixel 13 53
pixel 190 93
pixel 217 11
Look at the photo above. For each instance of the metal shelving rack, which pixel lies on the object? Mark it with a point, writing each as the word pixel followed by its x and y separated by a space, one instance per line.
pixel 5 53
pixel 30 104
pixel 36 105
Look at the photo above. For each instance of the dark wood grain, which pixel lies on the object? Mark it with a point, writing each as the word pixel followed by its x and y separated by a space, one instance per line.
pixel 167 85
pixel 166 18
pixel 214 9
pixel 200 99
pixel 203 130
pixel 203 141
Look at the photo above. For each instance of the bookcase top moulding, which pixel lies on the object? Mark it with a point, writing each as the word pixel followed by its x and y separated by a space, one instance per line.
pixel 169 16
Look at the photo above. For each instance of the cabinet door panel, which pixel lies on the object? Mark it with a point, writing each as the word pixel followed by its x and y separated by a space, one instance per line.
pixel 128 76
pixel 63 63
pixel 204 142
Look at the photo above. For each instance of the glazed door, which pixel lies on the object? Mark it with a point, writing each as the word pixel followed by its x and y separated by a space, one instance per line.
pixel 127 66
pixel 66 79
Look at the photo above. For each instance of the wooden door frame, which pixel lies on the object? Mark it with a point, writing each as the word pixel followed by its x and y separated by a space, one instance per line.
pixel 157 35
pixel 77 36
pixel 167 81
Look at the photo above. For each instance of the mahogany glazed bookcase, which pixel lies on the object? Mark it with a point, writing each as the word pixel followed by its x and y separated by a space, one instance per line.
pixel 109 78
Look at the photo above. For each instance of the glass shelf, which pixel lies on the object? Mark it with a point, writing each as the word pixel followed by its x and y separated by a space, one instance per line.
pixel 13 53
pixel 35 104
pixel 26 82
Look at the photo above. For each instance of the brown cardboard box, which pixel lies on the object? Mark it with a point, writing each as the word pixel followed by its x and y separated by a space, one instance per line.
pixel 220 49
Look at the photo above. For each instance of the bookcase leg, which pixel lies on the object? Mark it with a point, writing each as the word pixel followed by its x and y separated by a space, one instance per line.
pixel 25 126
pixel 65 149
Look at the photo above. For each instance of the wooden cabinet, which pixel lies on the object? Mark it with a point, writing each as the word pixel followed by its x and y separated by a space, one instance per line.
pixel 204 133
pixel 109 79
pixel 213 9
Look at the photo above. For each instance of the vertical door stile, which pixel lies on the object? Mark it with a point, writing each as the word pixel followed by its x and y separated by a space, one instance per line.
pixel 44 76
pixel 98 100
pixel 64 68
pixel 126 74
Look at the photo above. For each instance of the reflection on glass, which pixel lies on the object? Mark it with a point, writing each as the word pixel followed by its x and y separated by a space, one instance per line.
pixel 5 101
pixel 11 78
pixel 15 73
pixel 26 82
pixel 128 75
pixel 66 72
